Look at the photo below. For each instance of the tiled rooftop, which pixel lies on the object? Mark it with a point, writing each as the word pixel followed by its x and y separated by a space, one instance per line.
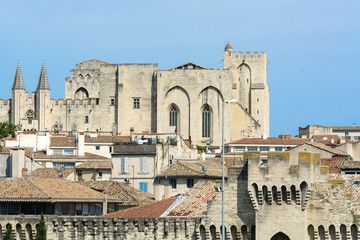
pixel 42 155
pixel 47 189
pixel 51 172
pixel 271 140
pixel 195 204
pixel 193 168
pixel 327 139
pixel 151 210
pixel 327 148
pixel 95 165
pixel 192 204
pixel 124 192
pixel 63 142
pixel 107 139
pixel 333 164
pixel 135 148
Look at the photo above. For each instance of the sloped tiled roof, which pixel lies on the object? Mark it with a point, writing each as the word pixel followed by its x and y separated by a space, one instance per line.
pixel 350 165
pixel 63 142
pixel 48 189
pixel 151 210
pixel 196 202
pixel 271 140
pixel 327 139
pixel 95 165
pixel 20 189
pixel 42 155
pixel 51 172
pixel 124 192
pixel 333 164
pixel 192 168
pixel 107 139
pixel 135 148
pixel 345 128
pixel 192 204
pixel 327 148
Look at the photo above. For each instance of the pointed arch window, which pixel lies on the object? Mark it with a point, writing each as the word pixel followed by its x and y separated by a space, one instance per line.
pixel 173 117
pixel 206 122
pixel 29 115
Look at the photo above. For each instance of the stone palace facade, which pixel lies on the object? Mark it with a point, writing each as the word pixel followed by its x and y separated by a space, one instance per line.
pixel 140 98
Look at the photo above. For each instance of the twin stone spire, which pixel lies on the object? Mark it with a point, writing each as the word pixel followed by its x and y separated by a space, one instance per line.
pixel 19 83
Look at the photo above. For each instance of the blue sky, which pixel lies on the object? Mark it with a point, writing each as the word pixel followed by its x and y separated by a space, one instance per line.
pixel 312 46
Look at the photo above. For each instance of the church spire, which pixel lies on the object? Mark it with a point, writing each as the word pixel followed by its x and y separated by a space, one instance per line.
pixel 18 80
pixel 43 80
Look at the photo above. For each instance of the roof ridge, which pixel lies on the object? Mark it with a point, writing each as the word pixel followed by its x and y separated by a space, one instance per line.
pixel 36 188
pixel 191 168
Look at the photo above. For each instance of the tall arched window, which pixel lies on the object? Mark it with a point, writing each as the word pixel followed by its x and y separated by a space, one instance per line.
pixel 173 117
pixel 206 122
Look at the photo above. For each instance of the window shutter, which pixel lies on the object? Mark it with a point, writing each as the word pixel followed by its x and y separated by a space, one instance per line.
pixel 141 164
pixel 126 165
pixel 145 164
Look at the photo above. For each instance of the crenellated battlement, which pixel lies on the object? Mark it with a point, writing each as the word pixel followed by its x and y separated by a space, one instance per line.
pixel 75 102
pixel 5 103
pixel 279 180
pixel 246 55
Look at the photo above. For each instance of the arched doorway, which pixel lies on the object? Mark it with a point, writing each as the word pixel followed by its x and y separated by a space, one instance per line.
pixel 280 236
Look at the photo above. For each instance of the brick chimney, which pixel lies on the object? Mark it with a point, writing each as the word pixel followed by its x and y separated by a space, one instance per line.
pixel 24 172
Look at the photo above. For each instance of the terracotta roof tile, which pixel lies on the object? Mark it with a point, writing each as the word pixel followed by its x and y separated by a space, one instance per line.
pixel 124 192
pixel 42 155
pixel 327 148
pixel 63 142
pixel 192 168
pixel 350 165
pixel 271 140
pixel 51 172
pixel 333 164
pixel 151 210
pixel 95 165
pixel 47 189
pixel 107 139
pixel 195 204
pixel 192 204
pixel 135 148
pixel 327 139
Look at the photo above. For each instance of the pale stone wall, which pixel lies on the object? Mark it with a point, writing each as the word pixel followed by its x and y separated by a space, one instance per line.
pixel 104 94
pixel 134 174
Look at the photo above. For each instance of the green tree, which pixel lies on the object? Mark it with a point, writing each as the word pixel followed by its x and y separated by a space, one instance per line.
pixel 41 229
pixel 8 233
pixel 6 129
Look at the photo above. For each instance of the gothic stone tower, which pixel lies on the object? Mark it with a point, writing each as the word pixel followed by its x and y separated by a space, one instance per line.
pixel 42 100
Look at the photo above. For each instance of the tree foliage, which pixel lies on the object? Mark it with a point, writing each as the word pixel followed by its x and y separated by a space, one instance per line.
pixel 7 129
pixel 41 229
pixel 8 233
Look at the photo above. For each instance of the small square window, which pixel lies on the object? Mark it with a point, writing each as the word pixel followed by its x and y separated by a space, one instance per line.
pixel 86 119
pixel 97 147
pixel 136 102
pixel 112 101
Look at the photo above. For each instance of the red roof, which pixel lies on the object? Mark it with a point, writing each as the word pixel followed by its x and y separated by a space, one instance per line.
pixel 333 164
pixel 151 210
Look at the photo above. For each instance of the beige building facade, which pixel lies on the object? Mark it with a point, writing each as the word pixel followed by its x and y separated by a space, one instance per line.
pixel 141 98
